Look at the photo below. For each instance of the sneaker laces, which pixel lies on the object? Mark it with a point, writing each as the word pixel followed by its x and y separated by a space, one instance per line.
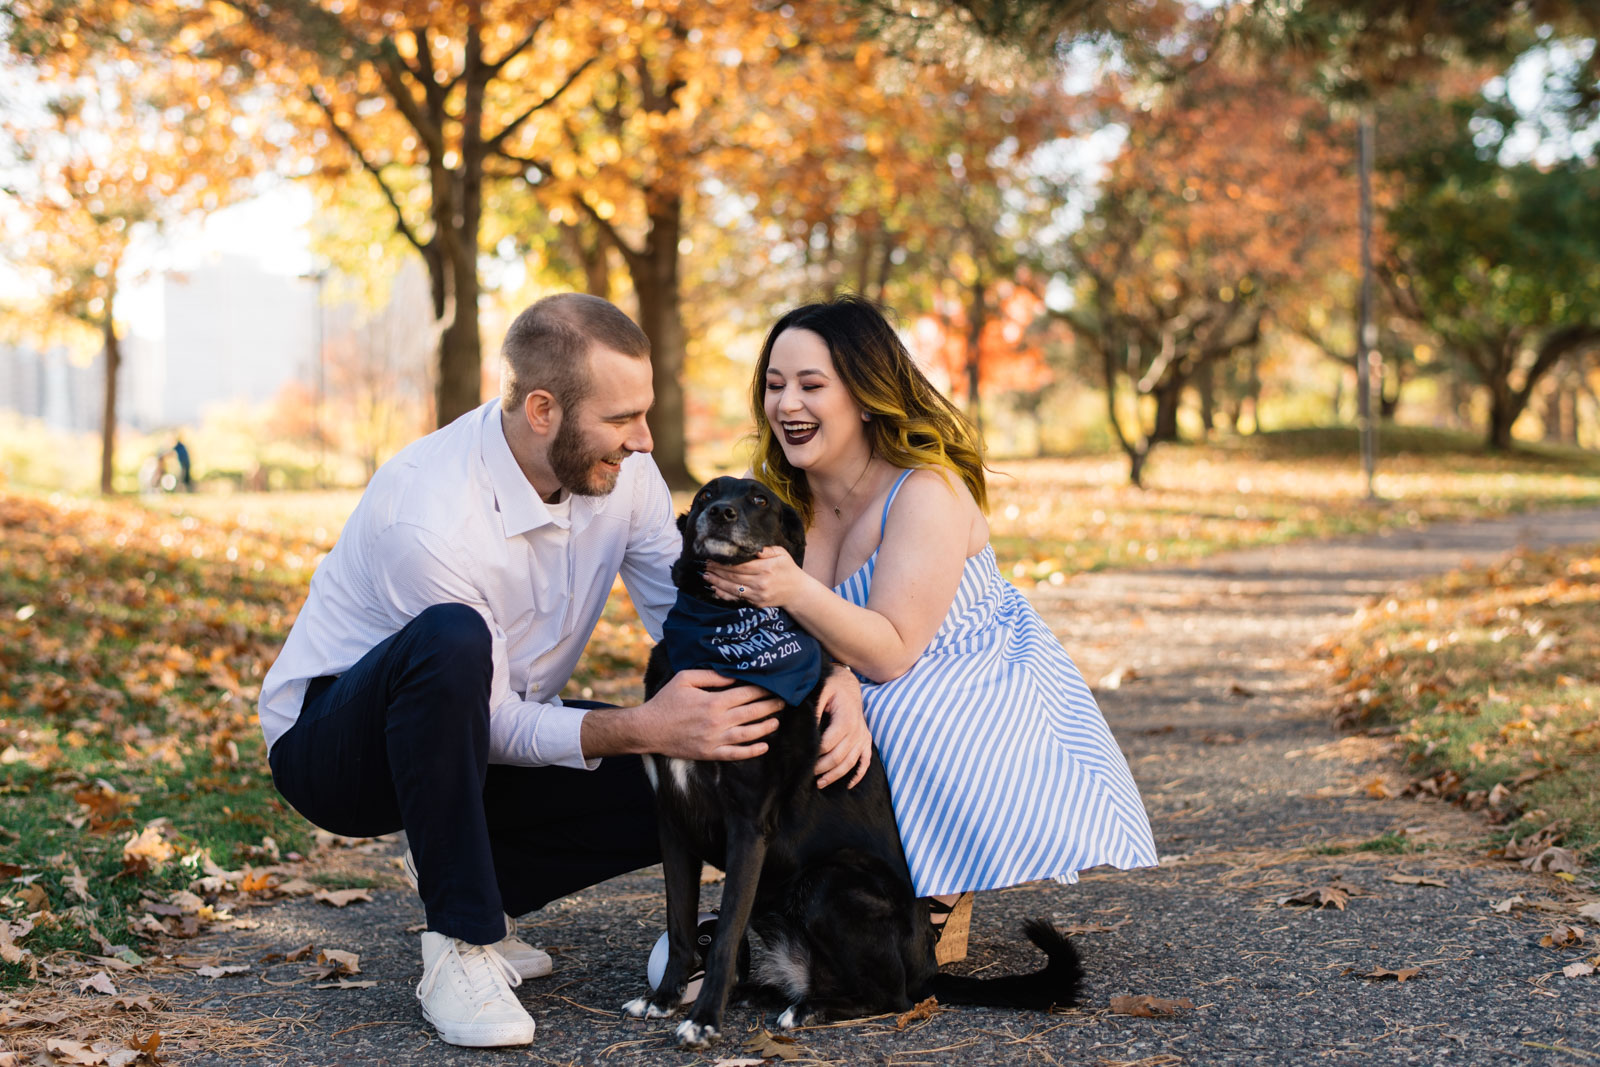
pixel 479 965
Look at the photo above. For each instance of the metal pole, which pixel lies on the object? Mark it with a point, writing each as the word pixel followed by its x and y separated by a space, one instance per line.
pixel 1366 329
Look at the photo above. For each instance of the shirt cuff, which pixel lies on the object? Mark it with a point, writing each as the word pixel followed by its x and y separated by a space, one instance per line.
pixel 542 735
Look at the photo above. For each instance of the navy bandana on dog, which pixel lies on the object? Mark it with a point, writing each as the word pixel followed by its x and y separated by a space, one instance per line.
pixel 761 646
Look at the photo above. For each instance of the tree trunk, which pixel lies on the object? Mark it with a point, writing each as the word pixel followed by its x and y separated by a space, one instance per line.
pixel 1503 412
pixel 977 309
pixel 460 210
pixel 108 421
pixel 588 246
pixel 1168 394
pixel 655 279
pixel 1206 386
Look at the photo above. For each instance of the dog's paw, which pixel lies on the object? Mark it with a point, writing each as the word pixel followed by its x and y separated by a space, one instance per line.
pixel 661 1011
pixel 697 1035
pixel 636 1007
pixel 792 1017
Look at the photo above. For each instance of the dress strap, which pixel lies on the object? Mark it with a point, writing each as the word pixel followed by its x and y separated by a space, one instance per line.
pixel 884 524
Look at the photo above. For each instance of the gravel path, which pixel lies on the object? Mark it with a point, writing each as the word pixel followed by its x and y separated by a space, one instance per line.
pixel 1205 675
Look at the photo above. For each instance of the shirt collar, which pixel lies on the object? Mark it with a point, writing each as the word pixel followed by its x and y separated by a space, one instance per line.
pixel 518 502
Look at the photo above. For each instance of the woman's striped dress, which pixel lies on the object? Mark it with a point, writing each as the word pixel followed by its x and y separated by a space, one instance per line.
pixel 1001 767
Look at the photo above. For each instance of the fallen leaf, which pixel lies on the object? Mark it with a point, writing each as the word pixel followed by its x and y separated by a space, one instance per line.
pixel 1241 691
pixel 295 887
pixel 1562 935
pixel 339 898
pixel 1506 905
pixel 1117 678
pixel 1581 969
pixel 347 983
pixel 743 1061
pixel 925 1009
pixel 1591 911
pixel 129 1002
pixel 1378 789
pixel 1148 1007
pixel 772 1046
pixel 78 883
pixel 1377 974
pixel 255 882
pixel 1319 897
pixel 100 982
pixel 296 955
pixel 1416 879
pixel 147 1046
pixel 1554 859
pixel 332 962
pixel 77 1052
pixel 146 850
pixel 223 971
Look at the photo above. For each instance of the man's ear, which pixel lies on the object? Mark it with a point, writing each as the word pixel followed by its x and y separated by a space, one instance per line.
pixel 794 533
pixel 539 407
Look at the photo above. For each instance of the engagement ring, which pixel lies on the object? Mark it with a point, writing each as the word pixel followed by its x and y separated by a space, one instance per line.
pixel 741 589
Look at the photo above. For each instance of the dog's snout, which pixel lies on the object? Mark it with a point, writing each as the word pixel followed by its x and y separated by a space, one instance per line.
pixel 724 512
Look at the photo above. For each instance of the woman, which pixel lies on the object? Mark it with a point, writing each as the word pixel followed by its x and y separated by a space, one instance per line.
pixel 1001 767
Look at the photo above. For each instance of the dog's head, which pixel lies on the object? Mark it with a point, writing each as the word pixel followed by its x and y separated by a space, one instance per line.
pixel 730 521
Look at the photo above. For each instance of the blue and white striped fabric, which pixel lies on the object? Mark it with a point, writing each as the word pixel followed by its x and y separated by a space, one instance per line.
pixel 1001 767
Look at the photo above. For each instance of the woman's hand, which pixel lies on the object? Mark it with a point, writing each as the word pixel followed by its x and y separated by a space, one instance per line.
pixel 846 743
pixel 771 580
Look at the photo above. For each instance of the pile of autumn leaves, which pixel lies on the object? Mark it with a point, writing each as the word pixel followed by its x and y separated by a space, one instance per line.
pixel 1490 678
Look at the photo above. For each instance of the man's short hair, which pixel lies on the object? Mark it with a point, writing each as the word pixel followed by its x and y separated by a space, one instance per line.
pixel 547 347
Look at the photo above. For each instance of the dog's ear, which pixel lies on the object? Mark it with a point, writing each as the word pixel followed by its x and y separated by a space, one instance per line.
pixel 683 522
pixel 794 533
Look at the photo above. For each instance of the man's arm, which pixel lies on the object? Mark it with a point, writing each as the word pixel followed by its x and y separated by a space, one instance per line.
pixel 690 717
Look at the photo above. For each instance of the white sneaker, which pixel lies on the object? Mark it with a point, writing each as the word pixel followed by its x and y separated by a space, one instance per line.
pixel 527 961
pixel 466 994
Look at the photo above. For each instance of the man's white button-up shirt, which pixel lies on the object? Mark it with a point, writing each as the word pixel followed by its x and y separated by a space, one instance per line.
pixel 452 519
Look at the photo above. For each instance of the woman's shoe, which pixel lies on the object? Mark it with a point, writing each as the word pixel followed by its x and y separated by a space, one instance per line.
pixel 951 920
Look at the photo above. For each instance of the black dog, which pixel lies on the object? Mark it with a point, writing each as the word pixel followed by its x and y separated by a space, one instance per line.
pixel 817 877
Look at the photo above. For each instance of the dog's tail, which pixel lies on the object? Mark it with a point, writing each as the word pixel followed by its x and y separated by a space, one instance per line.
pixel 1057 985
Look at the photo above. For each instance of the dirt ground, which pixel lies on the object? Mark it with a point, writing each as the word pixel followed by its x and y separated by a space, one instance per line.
pixel 1207 678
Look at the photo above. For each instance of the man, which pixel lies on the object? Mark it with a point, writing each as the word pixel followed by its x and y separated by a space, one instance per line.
pixel 418 688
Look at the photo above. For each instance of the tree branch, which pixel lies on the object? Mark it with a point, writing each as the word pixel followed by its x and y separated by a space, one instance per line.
pixel 493 143
pixel 371 168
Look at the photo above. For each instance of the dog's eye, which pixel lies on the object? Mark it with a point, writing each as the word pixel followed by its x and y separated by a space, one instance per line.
pixel 759 500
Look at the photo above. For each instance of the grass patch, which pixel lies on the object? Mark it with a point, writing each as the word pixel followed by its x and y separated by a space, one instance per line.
pixel 132 647
pixel 1492 676
pixel 1389 844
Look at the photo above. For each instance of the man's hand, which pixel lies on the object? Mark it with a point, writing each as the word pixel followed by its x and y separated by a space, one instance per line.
pixel 846 742
pixel 692 717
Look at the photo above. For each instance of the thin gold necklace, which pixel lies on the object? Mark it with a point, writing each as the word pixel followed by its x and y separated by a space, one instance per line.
pixel 837 514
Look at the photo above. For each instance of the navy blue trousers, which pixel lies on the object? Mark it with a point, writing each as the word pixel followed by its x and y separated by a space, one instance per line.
pixel 401 741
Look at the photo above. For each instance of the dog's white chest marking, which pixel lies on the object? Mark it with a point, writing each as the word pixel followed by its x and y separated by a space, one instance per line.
pixel 679 769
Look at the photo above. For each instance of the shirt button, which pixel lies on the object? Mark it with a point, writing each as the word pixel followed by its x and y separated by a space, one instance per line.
pixel 535 687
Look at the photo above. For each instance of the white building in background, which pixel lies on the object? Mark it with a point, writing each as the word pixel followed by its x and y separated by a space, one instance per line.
pixel 230 332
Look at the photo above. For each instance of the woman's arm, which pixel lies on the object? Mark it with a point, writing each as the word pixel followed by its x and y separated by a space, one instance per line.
pixel 913 584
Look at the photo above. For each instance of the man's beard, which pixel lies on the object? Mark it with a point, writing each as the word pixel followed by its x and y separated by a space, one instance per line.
pixel 573 461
